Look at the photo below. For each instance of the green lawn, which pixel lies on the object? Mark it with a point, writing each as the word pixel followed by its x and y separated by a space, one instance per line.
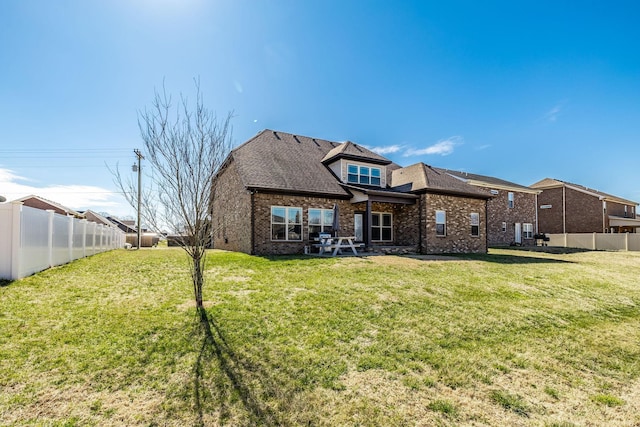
pixel 509 338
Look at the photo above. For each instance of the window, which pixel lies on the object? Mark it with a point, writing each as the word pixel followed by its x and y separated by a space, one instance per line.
pixel 475 224
pixel 381 226
pixel 286 223
pixel 441 223
pixel 504 227
pixel 363 175
pixel 510 198
pixel 527 231
pixel 320 221
pixel 625 211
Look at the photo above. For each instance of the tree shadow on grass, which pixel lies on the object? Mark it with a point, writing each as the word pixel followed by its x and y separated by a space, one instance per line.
pixel 234 388
pixel 5 282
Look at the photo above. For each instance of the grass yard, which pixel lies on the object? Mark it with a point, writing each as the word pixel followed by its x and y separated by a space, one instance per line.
pixel 509 338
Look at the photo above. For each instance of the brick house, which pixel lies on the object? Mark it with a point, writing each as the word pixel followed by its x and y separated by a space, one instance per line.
pixel 511 212
pixel 38 202
pixel 564 207
pixel 275 193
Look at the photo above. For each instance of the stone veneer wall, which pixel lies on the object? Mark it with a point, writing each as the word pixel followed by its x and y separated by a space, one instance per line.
pixel 262 205
pixel 458 238
pixel 231 216
pixel 498 211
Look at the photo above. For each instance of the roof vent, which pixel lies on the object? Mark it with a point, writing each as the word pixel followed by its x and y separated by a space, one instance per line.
pixel 296 138
pixel 276 134
pixel 315 142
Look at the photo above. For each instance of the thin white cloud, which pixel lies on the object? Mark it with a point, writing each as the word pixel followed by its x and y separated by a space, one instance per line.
pixel 238 86
pixel 79 197
pixel 389 149
pixel 482 147
pixel 552 115
pixel 444 147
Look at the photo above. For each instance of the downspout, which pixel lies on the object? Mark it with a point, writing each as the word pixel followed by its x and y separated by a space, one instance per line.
pixel 253 222
pixel 604 223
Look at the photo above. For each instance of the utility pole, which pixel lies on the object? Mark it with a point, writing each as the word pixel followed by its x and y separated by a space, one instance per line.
pixel 139 169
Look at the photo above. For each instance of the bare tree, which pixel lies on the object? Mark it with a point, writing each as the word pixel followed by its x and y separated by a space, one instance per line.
pixel 185 146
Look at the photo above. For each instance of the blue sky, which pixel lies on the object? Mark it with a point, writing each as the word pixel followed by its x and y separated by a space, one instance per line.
pixel 516 90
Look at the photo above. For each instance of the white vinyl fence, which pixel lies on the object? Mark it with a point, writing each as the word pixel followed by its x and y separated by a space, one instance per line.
pixel 33 240
pixel 597 241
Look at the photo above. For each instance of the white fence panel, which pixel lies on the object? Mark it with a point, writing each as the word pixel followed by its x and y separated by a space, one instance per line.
pixel 60 247
pixel 582 241
pixel 90 239
pixel 33 240
pixel 33 251
pixel 597 241
pixel 6 238
pixel 79 226
pixel 611 241
pixel 556 240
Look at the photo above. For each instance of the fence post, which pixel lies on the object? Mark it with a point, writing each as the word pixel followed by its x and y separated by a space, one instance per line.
pixel 626 241
pixel 565 240
pixel 16 240
pixel 50 237
pixel 70 237
pixel 594 242
pixel 84 238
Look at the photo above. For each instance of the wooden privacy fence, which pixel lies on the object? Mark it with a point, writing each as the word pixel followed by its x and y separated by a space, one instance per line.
pixel 597 241
pixel 33 240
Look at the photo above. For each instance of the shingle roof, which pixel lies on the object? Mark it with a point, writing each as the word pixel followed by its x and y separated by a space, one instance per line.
pixel 489 181
pixel 352 151
pixel 282 161
pixel 421 177
pixel 41 202
pixel 551 182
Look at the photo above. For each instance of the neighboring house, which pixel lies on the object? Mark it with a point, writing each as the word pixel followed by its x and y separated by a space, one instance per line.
pixel 98 218
pixel 38 202
pixel 564 207
pixel 275 193
pixel 511 213
pixel 125 225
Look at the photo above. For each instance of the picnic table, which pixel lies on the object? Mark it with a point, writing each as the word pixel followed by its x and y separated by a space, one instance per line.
pixel 334 245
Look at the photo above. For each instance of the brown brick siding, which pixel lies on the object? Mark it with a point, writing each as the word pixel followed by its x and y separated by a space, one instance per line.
pixel 263 203
pixel 458 237
pixel 550 220
pixel 584 212
pixel 231 216
pixel 498 211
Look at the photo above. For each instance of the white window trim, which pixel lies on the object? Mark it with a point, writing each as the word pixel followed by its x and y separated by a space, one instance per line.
pixel 444 223
pixel 286 223
pixel 358 175
pixel 511 200
pixel 527 230
pixel 471 219
pixel 322 225
pixel 504 226
pixel 382 226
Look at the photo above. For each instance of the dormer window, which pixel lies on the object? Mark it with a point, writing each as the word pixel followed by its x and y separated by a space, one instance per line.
pixel 366 175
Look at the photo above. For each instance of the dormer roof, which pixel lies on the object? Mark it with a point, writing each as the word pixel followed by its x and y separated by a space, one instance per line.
pixel 351 151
